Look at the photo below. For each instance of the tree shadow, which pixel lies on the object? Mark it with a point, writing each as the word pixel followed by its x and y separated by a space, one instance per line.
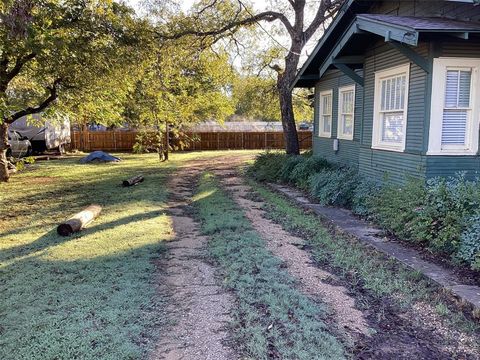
pixel 51 238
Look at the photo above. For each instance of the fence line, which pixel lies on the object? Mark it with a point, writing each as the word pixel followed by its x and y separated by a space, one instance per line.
pixel 124 140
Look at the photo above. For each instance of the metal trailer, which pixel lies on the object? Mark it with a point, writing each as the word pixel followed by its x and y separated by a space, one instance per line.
pixel 44 134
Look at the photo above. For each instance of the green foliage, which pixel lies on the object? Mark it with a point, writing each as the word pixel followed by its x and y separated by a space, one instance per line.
pixel 448 204
pixel 335 186
pixel 257 98
pixel 272 316
pixel 267 166
pixel 364 195
pixel 397 209
pixel 291 162
pixel 470 243
pixel 301 174
pixel 435 214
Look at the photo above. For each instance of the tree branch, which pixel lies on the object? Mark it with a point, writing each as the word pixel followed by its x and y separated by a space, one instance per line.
pixel 269 16
pixel 19 63
pixel 36 109
pixel 326 10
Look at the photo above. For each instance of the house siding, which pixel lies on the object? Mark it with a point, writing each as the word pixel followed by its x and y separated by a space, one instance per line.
pixel 348 149
pixel 397 166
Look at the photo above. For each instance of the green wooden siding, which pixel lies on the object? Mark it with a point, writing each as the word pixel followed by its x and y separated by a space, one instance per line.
pixel 348 149
pixel 396 166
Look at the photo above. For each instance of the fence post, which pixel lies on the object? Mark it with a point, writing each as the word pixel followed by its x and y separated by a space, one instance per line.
pixel 218 141
pixel 243 141
pixel 114 140
pixel 265 135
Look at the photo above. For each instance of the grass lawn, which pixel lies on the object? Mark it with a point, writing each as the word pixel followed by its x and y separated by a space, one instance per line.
pixel 91 295
pixel 272 319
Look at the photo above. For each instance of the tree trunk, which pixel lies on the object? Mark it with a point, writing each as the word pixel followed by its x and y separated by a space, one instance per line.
pixel 167 140
pixel 4 175
pixel 288 118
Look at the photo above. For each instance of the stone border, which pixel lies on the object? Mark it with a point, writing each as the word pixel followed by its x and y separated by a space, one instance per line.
pixel 366 233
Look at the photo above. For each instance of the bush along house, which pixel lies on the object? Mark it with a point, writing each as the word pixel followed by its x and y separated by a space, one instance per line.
pixel 397 88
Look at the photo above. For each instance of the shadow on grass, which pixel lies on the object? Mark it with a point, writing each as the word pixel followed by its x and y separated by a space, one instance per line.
pixel 102 307
pixel 51 238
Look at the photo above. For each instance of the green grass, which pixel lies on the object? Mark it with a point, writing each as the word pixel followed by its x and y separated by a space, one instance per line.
pixel 89 296
pixel 272 319
pixel 361 266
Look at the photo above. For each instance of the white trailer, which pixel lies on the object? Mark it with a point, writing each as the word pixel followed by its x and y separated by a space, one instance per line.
pixel 44 134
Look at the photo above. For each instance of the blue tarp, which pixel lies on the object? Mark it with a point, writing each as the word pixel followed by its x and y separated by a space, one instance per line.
pixel 99 156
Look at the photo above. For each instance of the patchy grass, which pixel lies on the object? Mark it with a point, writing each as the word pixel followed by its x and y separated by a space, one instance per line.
pixel 272 318
pixel 88 296
pixel 361 266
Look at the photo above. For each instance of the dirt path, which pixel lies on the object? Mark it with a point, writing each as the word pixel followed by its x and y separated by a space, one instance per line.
pixel 313 281
pixel 198 307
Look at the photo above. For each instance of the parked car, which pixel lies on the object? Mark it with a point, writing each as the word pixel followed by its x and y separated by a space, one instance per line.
pixel 304 126
pixel 19 145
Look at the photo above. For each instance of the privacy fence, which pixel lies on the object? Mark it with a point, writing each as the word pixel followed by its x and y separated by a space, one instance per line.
pixel 124 140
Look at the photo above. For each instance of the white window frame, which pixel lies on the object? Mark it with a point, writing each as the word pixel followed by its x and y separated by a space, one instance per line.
pixel 377 142
pixel 322 133
pixel 440 66
pixel 340 132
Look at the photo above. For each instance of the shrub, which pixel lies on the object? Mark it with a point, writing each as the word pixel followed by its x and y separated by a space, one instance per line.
pixel 300 175
pixel 334 186
pixel 469 250
pixel 449 204
pixel 267 166
pixel 290 163
pixel 363 197
pixel 396 209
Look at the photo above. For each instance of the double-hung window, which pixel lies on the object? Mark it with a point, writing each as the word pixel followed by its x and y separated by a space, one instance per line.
pixel 325 113
pixel 346 108
pixel 454 117
pixel 390 108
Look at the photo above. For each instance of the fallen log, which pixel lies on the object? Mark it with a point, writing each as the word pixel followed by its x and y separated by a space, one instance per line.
pixel 79 221
pixel 133 181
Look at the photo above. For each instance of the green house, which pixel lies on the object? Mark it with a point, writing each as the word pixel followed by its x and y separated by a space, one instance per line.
pixel 397 88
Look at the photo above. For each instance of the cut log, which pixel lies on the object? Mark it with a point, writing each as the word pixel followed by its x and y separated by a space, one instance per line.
pixel 133 181
pixel 79 221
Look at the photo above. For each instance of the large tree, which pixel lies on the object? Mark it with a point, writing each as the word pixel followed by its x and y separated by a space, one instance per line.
pixel 219 18
pixel 181 83
pixel 52 49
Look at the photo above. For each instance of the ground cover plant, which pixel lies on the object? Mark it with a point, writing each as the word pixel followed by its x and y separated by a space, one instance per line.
pixel 376 279
pixel 272 318
pixel 438 214
pixel 89 296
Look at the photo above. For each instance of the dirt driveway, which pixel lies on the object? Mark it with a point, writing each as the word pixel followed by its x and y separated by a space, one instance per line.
pixel 199 310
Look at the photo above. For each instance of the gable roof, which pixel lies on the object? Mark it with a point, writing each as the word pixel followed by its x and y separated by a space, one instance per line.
pixel 352 20
pixel 430 24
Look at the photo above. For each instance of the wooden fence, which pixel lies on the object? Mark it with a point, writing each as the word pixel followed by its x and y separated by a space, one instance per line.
pixel 124 140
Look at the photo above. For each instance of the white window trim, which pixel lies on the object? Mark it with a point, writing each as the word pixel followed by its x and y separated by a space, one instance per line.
pixel 377 142
pixel 440 66
pixel 322 133
pixel 340 133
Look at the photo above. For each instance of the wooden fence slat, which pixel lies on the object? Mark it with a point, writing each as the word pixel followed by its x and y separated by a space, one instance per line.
pixel 124 140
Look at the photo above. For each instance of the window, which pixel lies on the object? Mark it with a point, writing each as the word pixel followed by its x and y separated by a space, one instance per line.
pixel 346 106
pixel 325 128
pixel 390 104
pixel 454 117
